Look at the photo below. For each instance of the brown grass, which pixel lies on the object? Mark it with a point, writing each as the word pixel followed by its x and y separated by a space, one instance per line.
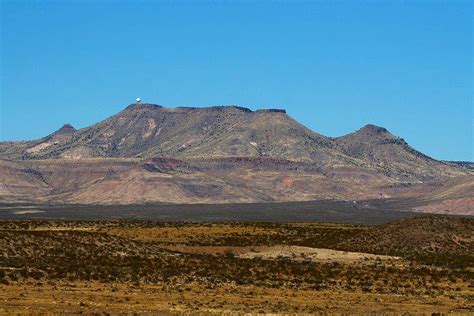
pixel 117 266
pixel 163 299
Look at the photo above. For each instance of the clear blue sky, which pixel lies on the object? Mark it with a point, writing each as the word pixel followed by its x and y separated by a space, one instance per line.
pixel 335 66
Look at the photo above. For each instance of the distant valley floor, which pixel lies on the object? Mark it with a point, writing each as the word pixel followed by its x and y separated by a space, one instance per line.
pixel 358 213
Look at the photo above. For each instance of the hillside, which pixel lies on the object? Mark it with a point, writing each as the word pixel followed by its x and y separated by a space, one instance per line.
pixel 391 154
pixel 149 131
pixel 148 153
pixel 224 180
pixel 432 239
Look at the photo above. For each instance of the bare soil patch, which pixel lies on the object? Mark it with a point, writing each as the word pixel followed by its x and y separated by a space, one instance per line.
pixel 313 254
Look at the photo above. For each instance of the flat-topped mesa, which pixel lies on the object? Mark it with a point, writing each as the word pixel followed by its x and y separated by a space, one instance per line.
pixel 217 107
pixel 147 130
pixel 272 110
pixel 231 107
pixel 151 106
pixel 139 106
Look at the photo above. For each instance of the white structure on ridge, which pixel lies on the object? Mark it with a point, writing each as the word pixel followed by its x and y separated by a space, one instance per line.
pixel 138 100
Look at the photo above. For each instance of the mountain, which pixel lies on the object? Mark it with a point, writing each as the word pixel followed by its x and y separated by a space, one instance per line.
pixel 464 164
pixel 150 130
pixel 148 153
pixel 392 154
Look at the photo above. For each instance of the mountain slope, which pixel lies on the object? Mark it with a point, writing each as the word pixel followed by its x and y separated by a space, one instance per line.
pixel 146 130
pixel 150 154
pixel 149 131
pixel 392 155
pixel 135 181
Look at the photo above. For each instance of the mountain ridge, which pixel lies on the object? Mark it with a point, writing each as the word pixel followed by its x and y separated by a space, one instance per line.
pixel 149 153
pixel 147 130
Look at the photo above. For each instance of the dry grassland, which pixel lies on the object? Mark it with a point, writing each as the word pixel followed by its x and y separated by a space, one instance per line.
pixel 161 268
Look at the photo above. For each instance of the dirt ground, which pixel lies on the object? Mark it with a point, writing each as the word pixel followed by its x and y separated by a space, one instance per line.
pixel 314 254
pixel 165 299
pixel 297 253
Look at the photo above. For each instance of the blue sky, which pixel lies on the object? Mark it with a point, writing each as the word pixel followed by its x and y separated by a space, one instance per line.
pixel 334 65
